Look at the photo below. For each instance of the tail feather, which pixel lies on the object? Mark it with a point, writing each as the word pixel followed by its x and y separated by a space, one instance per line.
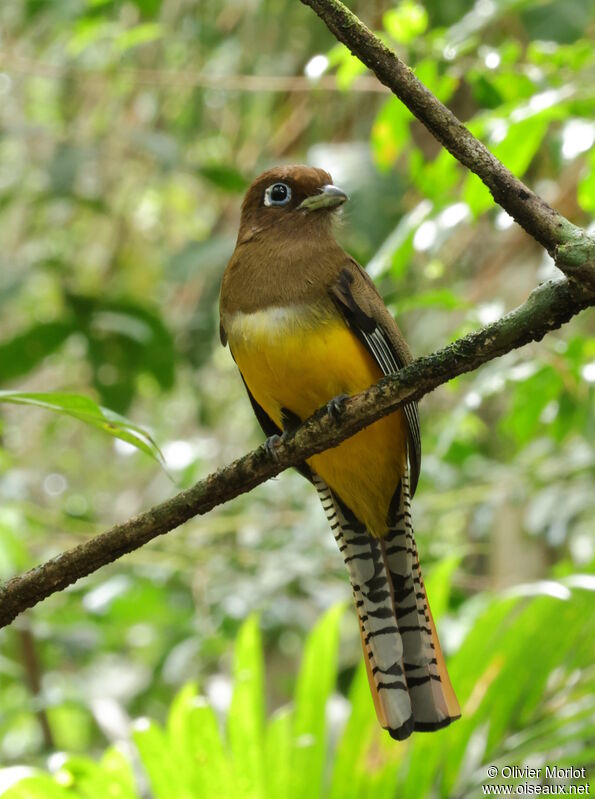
pixel 432 696
pixel 381 642
pixel 405 667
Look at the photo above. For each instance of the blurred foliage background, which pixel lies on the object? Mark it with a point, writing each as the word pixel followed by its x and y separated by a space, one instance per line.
pixel 128 132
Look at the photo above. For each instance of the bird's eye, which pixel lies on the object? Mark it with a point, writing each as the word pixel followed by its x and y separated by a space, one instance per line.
pixel 277 194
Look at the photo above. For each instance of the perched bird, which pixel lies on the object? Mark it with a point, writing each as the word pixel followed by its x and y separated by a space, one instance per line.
pixel 306 326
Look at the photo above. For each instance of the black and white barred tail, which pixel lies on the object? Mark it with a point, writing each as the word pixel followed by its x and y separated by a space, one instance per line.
pixel 406 670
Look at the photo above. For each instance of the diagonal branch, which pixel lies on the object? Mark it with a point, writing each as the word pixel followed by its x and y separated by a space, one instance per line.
pixel 572 248
pixel 547 308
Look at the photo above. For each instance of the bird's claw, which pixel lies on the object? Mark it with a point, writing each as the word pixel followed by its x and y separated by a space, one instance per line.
pixel 270 446
pixel 335 407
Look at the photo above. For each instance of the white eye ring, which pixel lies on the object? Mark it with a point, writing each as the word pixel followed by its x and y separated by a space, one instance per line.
pixel 277 194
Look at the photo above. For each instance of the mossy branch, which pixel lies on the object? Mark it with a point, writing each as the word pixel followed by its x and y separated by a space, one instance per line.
pixel 547 308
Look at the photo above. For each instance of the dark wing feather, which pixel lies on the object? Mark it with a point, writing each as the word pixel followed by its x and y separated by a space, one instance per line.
pixel 362 308
pixel 264 420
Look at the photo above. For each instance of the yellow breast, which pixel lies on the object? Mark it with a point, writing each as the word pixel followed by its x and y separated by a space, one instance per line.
pixel 300 358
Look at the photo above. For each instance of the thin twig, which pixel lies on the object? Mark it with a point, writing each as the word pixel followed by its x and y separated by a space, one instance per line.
pixel 187 78
pixel 32 670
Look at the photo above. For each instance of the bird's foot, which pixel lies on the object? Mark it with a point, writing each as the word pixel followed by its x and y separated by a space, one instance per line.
pixel 336 406
pixel 270 446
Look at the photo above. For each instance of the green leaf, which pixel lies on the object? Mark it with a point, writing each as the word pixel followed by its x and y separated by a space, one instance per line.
pixel 507 84
pixel 442 84
pixel 522 674
pixel 575 56
pixel 473 664
pixel 179 736
pixel 529 399
pixel 278 749
pixel 139 35
pixel 516 150
pixel 315 684
pixel 148 7
pixel 435 179
pixel 390 132
pixel 87 32
pixel 348 66
pixel 438 298
pixel 86 410
pixel 125 340
pixel 194 735
pixel 116 764
pixel 160 762
pixel 586 186
pixel 40 786
pixel 438 584
pixel 246 713
pixel 391 129
pixel 21 354
pixel 93 780
pixel 225 177
pixel 360 751
pixel 213 768
pixel 406 21
pixel 485 90
pixel 14 556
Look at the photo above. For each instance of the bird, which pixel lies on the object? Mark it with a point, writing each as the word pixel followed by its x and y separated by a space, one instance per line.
pixel 306 328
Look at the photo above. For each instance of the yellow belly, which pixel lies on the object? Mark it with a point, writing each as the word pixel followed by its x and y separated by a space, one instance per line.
pixel 301 368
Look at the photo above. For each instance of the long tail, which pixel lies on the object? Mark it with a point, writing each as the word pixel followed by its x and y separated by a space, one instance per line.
pixel 410 686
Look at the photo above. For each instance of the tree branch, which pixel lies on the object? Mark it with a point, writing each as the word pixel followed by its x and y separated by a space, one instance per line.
pixel 571 247
pixel 547 308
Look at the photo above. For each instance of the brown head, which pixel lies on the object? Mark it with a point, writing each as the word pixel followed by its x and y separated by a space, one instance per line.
pixel 292 197
pixel 286 251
